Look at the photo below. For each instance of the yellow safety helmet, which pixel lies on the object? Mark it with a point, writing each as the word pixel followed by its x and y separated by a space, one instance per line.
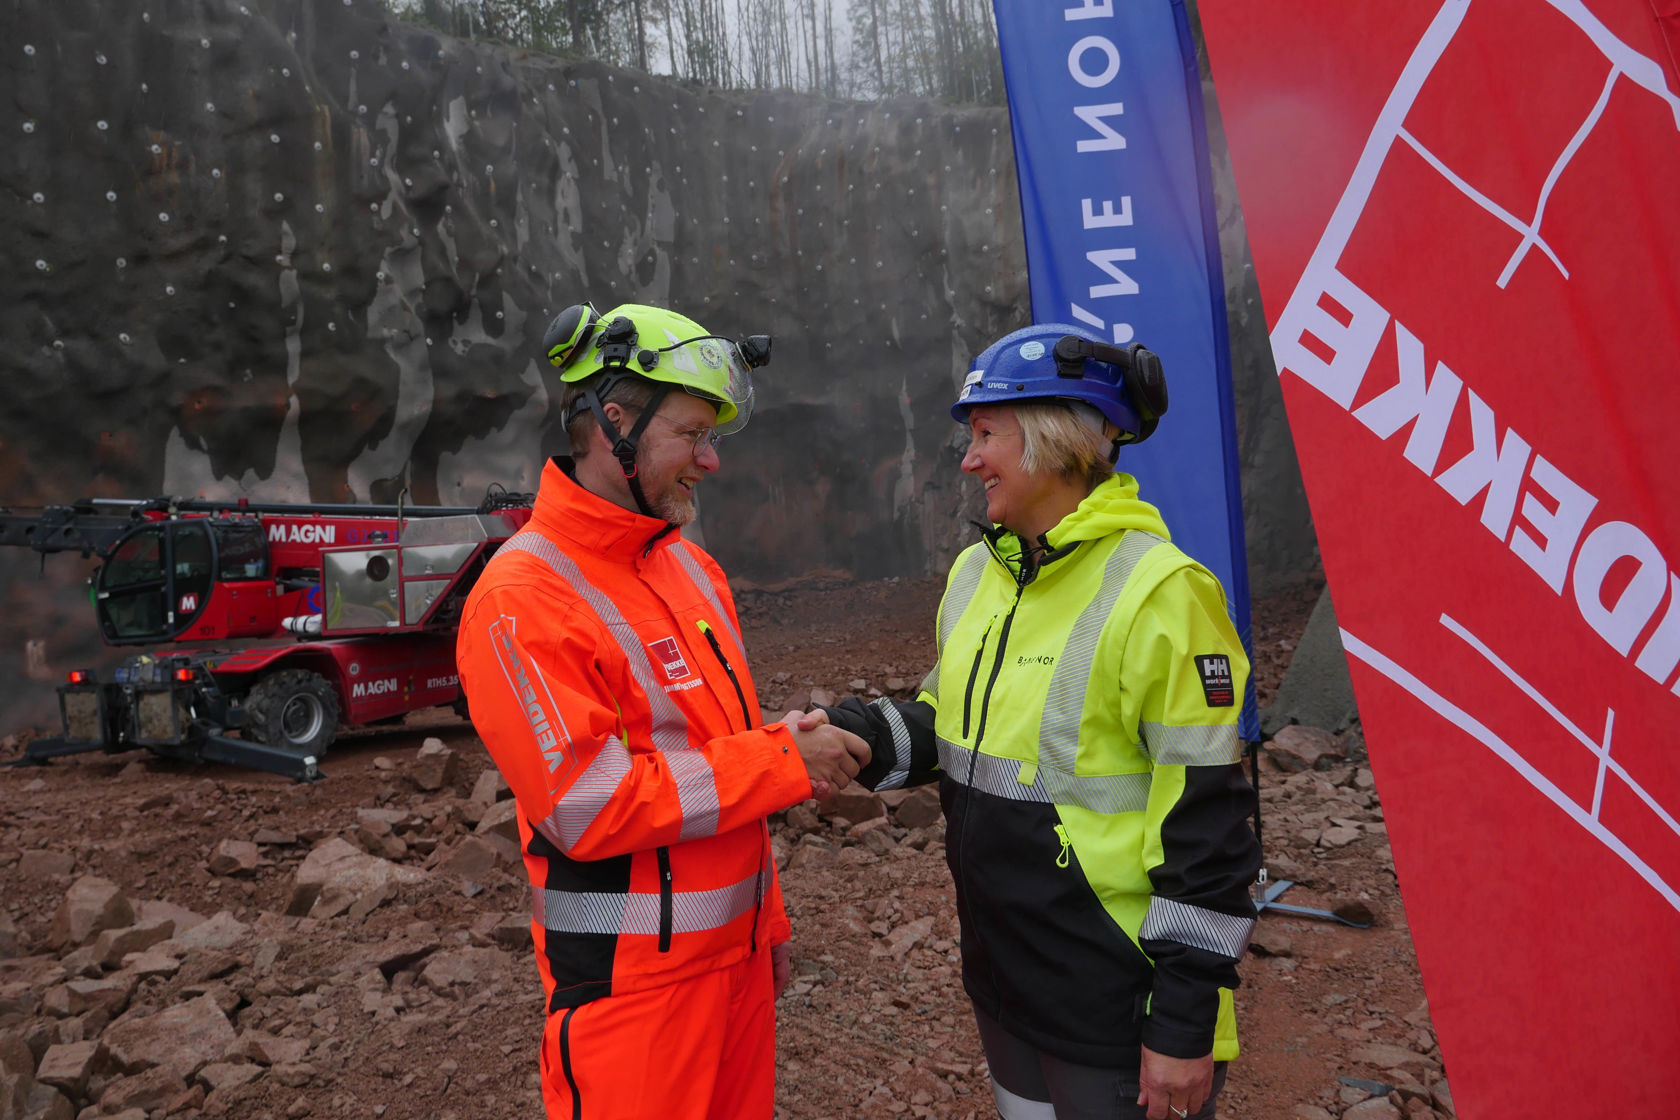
pixel 635 340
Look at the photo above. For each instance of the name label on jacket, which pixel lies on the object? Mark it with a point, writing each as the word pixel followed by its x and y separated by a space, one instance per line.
pixel 553 746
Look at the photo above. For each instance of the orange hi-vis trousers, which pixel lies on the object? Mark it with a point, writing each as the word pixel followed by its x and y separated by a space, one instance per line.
pixel 699 1049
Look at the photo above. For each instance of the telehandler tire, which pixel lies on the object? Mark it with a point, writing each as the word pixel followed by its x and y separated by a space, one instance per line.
pixel 293 710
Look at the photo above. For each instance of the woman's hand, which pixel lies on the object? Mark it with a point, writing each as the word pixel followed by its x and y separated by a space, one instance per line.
pixel 1173 1088
pixel 808 721
pixel 832 755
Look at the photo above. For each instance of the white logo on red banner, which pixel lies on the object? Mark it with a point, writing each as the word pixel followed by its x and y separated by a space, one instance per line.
pixel 1463 224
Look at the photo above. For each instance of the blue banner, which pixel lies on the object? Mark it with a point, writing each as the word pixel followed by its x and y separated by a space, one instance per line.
pixel 1105 102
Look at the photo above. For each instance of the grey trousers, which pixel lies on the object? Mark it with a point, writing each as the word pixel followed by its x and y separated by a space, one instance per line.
pixel 1029 1084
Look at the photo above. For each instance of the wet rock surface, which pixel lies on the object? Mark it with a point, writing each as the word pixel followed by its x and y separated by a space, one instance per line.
pixel 416 997
pixel 306 250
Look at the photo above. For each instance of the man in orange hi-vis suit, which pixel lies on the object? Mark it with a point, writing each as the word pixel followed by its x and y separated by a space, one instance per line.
pixel 602 661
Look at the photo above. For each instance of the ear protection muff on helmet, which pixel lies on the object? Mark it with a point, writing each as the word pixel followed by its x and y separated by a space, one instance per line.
pixel 568 335
pixel 568 338
pixel 1141 375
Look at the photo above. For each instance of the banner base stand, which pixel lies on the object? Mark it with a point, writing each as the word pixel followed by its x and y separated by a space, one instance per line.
pixel 1268 901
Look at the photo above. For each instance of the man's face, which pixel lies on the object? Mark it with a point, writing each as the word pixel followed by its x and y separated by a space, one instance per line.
pixel 666 462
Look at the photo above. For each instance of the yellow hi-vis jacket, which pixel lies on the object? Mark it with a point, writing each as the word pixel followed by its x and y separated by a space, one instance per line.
pixel 1082 720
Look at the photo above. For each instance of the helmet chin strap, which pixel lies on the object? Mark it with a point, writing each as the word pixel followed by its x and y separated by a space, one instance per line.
pixel 624 446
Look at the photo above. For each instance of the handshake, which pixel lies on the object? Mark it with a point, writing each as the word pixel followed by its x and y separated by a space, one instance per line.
pixel 833 756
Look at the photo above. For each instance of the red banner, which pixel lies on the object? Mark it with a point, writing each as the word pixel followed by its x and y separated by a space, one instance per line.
pixel 1465 218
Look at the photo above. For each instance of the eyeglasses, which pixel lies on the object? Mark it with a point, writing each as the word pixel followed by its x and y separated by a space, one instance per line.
pixel 702 437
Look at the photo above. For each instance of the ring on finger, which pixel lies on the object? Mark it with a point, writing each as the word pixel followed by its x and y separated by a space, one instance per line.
pixel 1181 1113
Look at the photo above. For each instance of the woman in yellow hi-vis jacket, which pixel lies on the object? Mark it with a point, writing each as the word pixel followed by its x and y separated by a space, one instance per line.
pixel 1082 722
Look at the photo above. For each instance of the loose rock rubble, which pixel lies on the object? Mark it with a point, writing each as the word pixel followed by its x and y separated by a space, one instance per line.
pixel 1351 996
pixel 214 943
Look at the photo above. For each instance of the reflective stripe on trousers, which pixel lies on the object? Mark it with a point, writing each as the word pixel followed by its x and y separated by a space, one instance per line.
pixel 1011 1106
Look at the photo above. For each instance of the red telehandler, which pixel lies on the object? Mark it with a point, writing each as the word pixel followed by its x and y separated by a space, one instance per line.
pixel 280 622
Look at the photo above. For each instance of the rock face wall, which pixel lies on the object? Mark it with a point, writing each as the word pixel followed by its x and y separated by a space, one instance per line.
pixel 301 250
pixel 296 249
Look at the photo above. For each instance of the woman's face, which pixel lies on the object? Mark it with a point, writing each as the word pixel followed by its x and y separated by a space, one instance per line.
pixel 1014 498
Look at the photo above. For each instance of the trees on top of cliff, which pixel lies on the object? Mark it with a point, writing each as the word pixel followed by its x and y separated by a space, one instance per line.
pixel 944 49
pixel 582 28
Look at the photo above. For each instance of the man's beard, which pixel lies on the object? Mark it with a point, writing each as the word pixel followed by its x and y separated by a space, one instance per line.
pixel 672 505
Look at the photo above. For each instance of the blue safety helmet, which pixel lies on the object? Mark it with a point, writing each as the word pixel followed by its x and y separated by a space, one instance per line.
pixel 1059 361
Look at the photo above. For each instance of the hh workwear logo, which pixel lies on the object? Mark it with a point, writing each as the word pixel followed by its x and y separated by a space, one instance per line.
pixel 670 656
pixel 1215 669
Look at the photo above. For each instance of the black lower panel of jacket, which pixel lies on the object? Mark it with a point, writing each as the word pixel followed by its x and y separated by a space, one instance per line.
pixel 1040 954
pixel 581 963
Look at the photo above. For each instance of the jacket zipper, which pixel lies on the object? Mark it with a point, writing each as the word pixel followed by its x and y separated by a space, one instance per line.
pixel 647 549
pixel 566 1063
pixel 763 826
pixel 997 667
pixel 973 675
pixel 717 651
pixel 1029 572
pixel 980 733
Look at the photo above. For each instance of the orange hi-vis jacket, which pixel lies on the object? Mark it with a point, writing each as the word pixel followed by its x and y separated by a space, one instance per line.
pixel 602 661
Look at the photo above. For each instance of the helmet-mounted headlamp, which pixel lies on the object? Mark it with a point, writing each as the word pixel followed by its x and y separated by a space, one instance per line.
pixel 755 350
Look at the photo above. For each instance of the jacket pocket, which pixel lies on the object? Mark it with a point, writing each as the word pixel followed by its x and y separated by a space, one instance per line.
pixel 665 892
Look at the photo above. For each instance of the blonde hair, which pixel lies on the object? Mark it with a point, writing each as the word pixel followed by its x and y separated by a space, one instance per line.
pixel 1068 439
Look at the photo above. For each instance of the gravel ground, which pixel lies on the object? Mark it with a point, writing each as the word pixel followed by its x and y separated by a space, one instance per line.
pixel 404 988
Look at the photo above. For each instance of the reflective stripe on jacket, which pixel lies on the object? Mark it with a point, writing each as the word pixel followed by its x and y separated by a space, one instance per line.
pixel 602 661
pixel 1082 720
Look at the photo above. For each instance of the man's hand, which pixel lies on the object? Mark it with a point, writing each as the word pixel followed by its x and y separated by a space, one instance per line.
pixel 832 756
pixel 1173 1088
pixel 781 966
